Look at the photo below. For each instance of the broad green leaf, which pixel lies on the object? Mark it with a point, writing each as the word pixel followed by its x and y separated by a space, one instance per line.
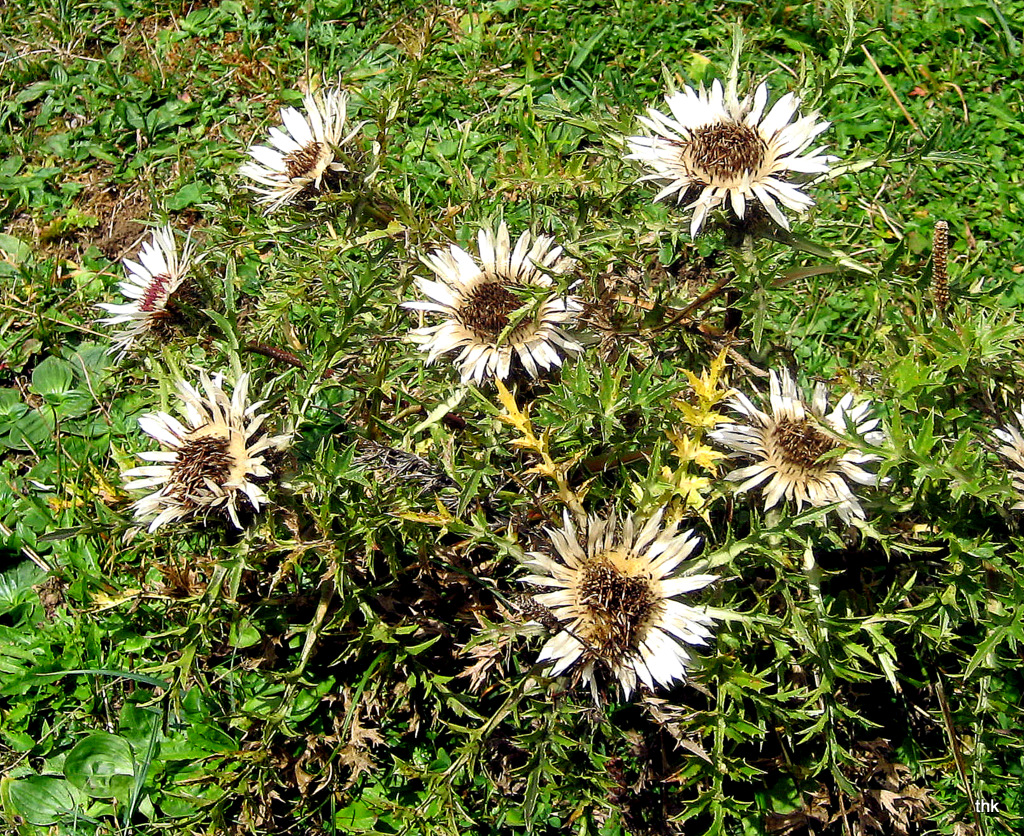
pixel 32 431
pixel 14 249
pixel 187 195
pixel 102 766
pixel 11 403
pixel 52 377
pixel 357 817
pixel 243 634
pixel 41 800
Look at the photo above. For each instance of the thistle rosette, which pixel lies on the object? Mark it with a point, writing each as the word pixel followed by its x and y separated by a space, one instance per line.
pixel 715 150
pixel 616 597
pixel 214 462
pixel 799 451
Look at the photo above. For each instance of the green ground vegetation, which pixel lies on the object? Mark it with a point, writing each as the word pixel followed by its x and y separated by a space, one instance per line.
pixel 361 657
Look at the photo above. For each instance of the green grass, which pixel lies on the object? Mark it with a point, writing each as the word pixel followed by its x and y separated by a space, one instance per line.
pixel 359 659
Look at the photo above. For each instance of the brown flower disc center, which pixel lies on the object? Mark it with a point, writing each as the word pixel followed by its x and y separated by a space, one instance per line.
pixel 618 607
pixel 802 444
pixel 170 314
pixel 486 310
pixel 723 151
pixel 200 460
pixel 303 163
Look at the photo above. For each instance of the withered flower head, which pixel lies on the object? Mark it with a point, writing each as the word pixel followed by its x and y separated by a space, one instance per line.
pixel 150 284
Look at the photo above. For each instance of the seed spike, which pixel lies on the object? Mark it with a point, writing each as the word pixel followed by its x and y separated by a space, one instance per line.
pixel 940 276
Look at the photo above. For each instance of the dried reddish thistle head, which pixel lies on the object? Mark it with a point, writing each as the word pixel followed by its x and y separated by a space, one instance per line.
pixel 160 275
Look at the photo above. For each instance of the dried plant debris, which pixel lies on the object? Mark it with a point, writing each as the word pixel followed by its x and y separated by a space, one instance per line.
pixel 396 466
pixel 889 802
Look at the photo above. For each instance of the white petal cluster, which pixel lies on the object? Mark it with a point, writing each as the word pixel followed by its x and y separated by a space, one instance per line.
pixel 476 298
pixel 616 600
pixel 209 462
pixel 1011 448
pixel 301 150
pixel 799 451
pixel 150 283
pixel 716 150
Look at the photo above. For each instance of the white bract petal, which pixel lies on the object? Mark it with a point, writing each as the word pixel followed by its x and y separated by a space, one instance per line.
pixel 800 452
pixel 716 152
pixel 616 601
pixel 493 316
